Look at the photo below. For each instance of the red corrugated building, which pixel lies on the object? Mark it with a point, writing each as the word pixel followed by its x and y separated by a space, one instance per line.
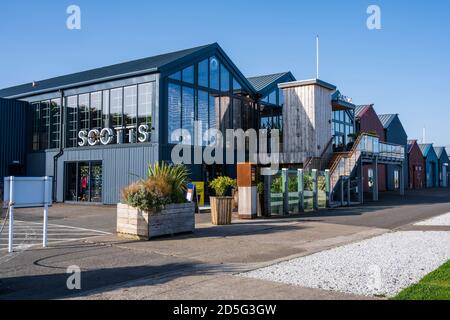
pixel 367 121
pixel 416 166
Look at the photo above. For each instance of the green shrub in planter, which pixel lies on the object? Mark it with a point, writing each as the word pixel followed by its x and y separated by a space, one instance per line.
pixel 176 176
pixel 221 184
pixel 165 185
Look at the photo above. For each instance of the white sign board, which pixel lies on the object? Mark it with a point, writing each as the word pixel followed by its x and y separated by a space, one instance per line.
pixel 28 192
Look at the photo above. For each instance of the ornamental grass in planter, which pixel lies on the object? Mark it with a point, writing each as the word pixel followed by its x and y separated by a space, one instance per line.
pixel 222 206
pixel 156 206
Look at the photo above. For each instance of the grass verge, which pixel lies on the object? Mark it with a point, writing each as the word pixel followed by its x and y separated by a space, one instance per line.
pixel 435 286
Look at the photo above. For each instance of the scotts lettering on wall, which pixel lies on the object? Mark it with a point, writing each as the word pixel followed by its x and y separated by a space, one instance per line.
pixel 108 136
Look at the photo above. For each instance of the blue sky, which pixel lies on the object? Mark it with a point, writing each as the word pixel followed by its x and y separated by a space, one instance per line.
pixel 403 68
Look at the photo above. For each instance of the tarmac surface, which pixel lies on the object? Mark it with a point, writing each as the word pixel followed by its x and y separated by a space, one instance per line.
pixel 203 265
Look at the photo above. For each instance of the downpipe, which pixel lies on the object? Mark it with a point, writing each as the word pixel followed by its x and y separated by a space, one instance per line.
pixel 61 148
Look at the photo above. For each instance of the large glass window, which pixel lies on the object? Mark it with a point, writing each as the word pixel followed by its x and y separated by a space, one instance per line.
pixel 174 110
pixel 96 110
pixel 145 102
pixel 71 121
pixel 45 125
pixel 55 122
pixel 105 103
pixel 130 112
pixel 83 107
pixel 188 112
pixel 116 107
pixel 36 125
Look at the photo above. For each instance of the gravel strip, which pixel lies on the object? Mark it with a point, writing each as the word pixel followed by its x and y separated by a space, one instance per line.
pixel 443 220
pixel 381 266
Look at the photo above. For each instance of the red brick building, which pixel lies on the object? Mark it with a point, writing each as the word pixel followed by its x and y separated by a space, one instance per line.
pixel 367 121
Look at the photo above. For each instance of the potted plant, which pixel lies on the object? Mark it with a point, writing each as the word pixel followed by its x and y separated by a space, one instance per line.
pixel 156 206
pixel 221 206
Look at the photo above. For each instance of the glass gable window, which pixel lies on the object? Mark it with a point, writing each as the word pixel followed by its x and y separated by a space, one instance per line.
pixel 273 97
pixel 237 88
pixel 213 99
pixel 188 118
pixel 214 74
pixel 174 110
pixel 203 73
pixel 176 76
pixel 203 98
pixel 188 75
pixel 224 79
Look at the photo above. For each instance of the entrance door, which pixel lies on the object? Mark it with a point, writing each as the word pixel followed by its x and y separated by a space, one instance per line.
pixel 84 181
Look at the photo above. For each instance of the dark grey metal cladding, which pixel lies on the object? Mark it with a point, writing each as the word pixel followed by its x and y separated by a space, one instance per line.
pixel 122 165
pixel 14 134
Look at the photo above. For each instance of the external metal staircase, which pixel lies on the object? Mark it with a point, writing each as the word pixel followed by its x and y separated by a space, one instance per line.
pixel 343 166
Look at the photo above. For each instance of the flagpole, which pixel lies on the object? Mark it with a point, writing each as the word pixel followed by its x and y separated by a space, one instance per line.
pixel 317 57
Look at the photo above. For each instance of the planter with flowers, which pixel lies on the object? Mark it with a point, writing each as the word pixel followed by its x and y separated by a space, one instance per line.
pixel 156 206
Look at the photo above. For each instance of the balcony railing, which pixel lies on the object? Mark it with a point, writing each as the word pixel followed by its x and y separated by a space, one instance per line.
pixel 372 145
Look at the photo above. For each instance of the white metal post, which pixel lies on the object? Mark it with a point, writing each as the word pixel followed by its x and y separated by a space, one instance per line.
pixel 11 215
pixel 44 231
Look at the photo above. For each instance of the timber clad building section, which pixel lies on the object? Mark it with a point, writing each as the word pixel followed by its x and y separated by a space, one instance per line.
pixel 96 131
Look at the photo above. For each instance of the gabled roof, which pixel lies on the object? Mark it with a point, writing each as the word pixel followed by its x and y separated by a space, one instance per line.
pixel 360 110
pixel 386 119
pixel 426 148
pixel 262 83
pixel 150 64
pixel 439 151
pixel 411 144
pixel 159 63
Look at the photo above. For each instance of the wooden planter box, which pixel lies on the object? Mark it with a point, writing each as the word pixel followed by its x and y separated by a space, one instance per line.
pixel 221 210
pixel 173 219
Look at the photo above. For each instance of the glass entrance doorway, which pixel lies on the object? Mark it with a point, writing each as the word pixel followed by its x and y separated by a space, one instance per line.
pixel 83 181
